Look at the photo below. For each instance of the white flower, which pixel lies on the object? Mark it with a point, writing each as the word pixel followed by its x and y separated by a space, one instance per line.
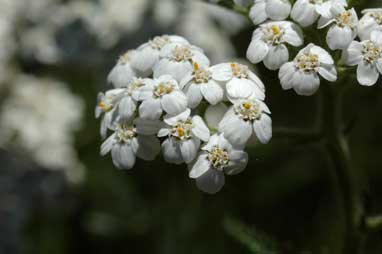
pixel 240 81
pixel 244 119
pixel 147 55
pixel 268 43
pixel 343 27
pixel 269 9
pixel 177 60
pixel 184 135
pixel 217 158
pixel 128 102
pixel 302 73
pixel 131 140
pixel 371 20
pixel 161 94
pixel 200 84
pixel 122 73
pixel 368 56
pixel 306 12
pixel 106 105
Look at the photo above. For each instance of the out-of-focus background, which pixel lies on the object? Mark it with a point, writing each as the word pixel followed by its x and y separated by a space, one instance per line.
pixel 57 195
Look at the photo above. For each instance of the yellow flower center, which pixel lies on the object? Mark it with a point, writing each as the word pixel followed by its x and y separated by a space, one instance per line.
pixel 307 62
pixel 248 110
pixel 124 59
pixel 219 158
pixel 371 52
pixel 163 89
pixel 182 130
pixel 201 75
pixel 159 42
pixel 239 70
pixel 182 53
pixel 125 133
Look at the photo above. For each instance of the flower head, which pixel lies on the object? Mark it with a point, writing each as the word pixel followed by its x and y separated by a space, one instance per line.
pixel 303 73
pixel 367 55
pixel 217 158
pixel 184 134
pixel 371 21
pixel 269 43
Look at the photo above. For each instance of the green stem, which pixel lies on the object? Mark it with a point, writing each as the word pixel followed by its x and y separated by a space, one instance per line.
pixel 338 149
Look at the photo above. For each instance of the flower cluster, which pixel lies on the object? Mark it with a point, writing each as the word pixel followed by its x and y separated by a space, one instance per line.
pixel 167 97
pixel 274 35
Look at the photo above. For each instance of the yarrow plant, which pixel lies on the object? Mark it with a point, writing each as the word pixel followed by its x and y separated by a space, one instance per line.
pixel 168 97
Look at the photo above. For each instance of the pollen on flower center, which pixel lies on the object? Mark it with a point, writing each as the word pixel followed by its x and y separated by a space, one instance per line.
pixel 159 42
pixel 182 53
pixel 182 129
pixel 371 52
pixel 125 133
pixel 124 59
pixel 248 110
pixel 307 62
pixel 377 17
pixel 134 85
pixel 239 70
pixel 273 34
pixel 345 19
pixel 201 75
pixel 219 158
pixel 163 89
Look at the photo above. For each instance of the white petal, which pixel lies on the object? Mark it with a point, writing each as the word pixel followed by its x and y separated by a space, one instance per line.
pixel 146 126
pixel 304 13
pixel 376 36
pixel 257 51
pixel 306 83
pixel 123 156
pixel 187 79
pixel 328 72
pixel 214 114
pixel 212 92
pixel 324 9
pixel 339 38
pixel 379 65
pixel 200 59
pixel 171 151
pixel 174 103
pixel 255 79
pixel 240 88
pixel 257 12
pixel 221 72
pixel 144 59
pixel 211 182
pixel 149 147
pixel 150 109
pixel 173 119
pixel 201 166
pixel 235 130
pixel 367 74
pixel 285 75
pixel 189 149
pixel 200 129
pixel 178 70
pixel 323 55
pixel 277 56
pixel 121 75
pixel 107 145
pixel 214 141
pixel 278 9
pixel 127 108
pixel 353 54
pixel 263 128
pixel 194 96
pixel 293 35
pixel 238 162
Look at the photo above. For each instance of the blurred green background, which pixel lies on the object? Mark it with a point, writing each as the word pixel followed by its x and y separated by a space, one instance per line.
pixel 288 200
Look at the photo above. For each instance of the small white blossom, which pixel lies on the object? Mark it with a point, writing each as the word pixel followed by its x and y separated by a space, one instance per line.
pixel 123 72
pixel 177 60
pixel 343 27
pixel 244 119
pixel 214 114
pixel 161 94
pixel 269 9
pixel 218 157
pixel 200 84
pixel 106 106
pixel 184 135
pixel 148 54
pixel 240 81
pixel 302 73
pixel 306 12
pixel 131 140
pixel 368 56
pixel 269 43
pixel 371 21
